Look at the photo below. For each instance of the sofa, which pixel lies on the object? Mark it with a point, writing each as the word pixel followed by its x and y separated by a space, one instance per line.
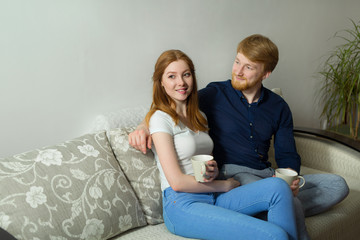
pixel 98 187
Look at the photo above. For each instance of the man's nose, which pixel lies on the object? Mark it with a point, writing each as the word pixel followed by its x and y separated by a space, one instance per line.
pixel 239 71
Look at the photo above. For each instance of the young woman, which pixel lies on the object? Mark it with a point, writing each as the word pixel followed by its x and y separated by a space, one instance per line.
pixel 214 209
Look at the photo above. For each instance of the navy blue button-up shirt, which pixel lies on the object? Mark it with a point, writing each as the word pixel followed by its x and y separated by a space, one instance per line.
pixel 242 132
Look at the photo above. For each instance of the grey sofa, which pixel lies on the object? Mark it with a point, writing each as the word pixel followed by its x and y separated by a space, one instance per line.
pixel 97 187
pixel 321 152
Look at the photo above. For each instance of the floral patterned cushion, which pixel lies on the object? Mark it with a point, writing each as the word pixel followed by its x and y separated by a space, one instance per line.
pixel 74 190
pixel 142 173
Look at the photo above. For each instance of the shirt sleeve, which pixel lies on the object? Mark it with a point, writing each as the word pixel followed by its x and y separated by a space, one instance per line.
pixel 161 122
pixel 284 143
pixel 205 98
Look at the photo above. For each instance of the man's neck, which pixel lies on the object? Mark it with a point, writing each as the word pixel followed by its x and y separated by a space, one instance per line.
pixel 252 95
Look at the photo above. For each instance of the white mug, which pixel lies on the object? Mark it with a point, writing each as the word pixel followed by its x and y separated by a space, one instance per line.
pixel 288 175
pixel 199 166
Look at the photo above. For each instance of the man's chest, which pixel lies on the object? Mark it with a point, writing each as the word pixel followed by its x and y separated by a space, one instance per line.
pixel 237 118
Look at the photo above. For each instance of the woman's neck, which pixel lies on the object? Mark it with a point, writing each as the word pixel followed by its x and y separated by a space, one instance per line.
pixel 181 110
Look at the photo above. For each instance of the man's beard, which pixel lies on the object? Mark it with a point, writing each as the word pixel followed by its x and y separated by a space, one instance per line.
pixel 242 85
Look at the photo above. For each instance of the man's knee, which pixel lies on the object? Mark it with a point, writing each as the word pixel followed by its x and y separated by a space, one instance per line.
pixel 339 186
pixel 332 183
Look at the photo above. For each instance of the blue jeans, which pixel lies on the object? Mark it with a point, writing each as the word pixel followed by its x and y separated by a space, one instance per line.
pixel 230 215
pixel 320 192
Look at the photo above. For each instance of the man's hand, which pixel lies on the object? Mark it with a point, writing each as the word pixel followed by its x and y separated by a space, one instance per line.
pixel 140 138
pixel 295 187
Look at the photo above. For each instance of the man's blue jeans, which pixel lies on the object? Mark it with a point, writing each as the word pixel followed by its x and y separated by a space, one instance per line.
pixel 229 215
pixel 320 192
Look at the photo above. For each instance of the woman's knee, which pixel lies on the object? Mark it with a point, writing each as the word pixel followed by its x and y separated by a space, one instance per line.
pixel 278 184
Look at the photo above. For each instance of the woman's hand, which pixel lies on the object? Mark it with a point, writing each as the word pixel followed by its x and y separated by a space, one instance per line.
pixel 212 171
pixel 232 183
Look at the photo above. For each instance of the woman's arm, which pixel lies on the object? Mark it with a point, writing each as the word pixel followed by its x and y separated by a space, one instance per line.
pixel 179 181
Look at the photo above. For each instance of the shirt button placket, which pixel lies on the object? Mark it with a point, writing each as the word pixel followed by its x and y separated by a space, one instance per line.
pixel 251 127
pixel 251 130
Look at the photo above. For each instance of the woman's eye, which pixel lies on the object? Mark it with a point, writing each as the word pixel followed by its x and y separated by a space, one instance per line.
pixel 187 74
pixel 171 76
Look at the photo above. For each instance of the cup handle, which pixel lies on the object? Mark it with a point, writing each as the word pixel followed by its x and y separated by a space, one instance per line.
pixel 303 183
pixel 203 170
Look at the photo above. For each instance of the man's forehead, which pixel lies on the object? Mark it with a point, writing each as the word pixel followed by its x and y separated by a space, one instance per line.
pixel 242 57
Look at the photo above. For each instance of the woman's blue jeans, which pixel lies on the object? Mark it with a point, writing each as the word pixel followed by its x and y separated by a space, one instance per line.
pixel 230 215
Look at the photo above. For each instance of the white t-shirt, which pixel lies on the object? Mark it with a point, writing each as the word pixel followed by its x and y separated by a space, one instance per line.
pixel 187 142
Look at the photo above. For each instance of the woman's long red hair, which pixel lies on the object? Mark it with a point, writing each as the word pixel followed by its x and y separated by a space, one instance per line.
pixel 161 101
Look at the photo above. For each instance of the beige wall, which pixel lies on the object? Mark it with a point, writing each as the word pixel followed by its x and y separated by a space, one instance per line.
pixel 63 62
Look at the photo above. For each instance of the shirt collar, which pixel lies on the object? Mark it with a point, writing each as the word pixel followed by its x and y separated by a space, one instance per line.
pixel 262 92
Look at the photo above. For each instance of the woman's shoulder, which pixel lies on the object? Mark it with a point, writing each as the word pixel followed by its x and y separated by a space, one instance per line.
pixel 158 114
pixel 161 122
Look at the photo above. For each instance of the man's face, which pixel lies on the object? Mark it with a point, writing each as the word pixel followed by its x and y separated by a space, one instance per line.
pixel 247 75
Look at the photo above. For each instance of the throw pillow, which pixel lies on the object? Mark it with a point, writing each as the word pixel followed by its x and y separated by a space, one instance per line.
pixel 142 173
pixel 74 190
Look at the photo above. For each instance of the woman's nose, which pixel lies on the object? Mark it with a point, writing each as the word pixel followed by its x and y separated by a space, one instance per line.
pixel 181 81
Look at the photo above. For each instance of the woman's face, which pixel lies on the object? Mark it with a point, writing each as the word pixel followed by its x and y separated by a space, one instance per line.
pixel 177 81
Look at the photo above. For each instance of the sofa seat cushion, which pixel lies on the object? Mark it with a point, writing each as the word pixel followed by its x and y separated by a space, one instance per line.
pixel 142 173
pixel 150 232
pixel 74 190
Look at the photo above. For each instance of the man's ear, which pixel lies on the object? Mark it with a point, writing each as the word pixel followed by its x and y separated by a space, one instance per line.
pixel 266 75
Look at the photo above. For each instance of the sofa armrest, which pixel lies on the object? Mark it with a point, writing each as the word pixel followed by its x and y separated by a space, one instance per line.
pixel 331 136
pixel 327 151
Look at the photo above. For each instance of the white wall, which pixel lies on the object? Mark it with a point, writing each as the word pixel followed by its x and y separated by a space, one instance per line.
pixel 62 62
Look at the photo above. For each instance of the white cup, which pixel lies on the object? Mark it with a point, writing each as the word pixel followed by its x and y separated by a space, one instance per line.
pixel 288 175
pixel 199 166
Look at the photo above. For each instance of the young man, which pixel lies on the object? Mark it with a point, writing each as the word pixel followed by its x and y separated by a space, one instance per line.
pixel 243 116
